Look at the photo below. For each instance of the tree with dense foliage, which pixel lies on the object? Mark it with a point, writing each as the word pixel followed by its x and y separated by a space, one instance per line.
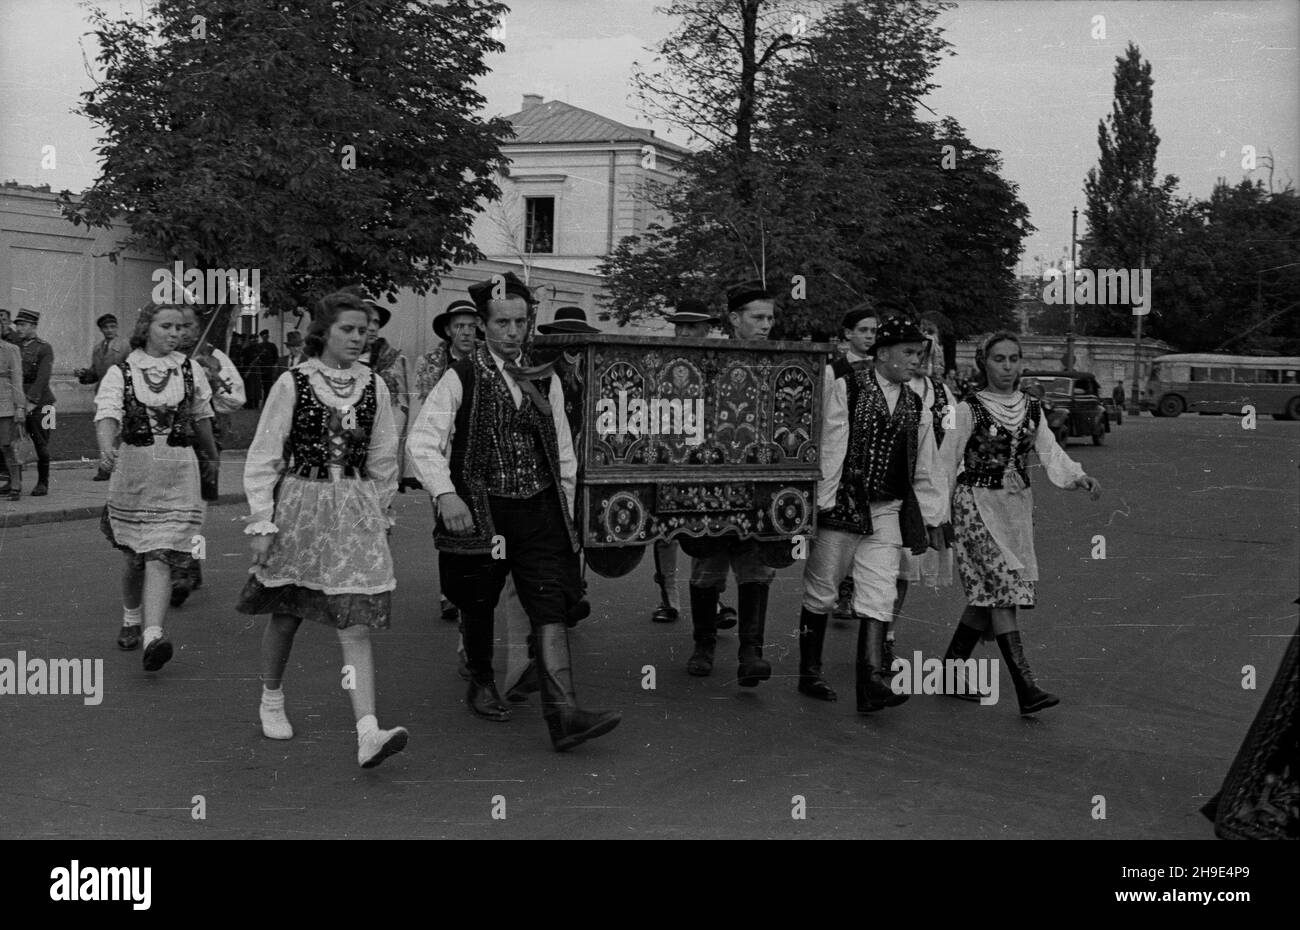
pixel 320 142
pixel 851 194
pixel 1129 211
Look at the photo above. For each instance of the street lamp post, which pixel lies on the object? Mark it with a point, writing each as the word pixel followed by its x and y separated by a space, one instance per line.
pixel 1069 330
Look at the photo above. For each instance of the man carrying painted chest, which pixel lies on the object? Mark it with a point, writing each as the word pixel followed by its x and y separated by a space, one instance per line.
pixel 752 310
pixel 493 447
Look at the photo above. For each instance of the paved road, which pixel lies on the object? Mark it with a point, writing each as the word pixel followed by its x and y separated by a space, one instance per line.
pixel 1146 648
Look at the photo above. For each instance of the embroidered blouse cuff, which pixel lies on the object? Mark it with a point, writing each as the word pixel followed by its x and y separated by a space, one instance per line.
pixel 261 528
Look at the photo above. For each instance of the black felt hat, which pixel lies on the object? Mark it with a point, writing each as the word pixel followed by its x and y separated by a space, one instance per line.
pixel 567 320
pixel 857 315
pixel 745 292
pixel 509 285
pixel 690 310
pixel 454 309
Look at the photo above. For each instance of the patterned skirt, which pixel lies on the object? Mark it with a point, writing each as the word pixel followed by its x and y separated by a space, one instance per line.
pixel 154 511
pixel 986 575
pixel 330 560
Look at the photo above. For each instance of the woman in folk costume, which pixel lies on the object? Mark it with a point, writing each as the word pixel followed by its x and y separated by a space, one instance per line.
pixel 985 460
pixel 935 567
pixel 150 411
pixel 319 479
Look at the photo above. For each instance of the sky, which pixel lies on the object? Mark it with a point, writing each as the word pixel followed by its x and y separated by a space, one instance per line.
pixel 1029 78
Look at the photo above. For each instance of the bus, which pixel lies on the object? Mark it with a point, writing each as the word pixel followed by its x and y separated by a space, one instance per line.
pixel 1203 383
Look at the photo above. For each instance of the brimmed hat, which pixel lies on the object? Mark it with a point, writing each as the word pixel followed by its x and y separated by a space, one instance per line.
pixel 383 312
pixel 690 310
pixel 481 292
pixel 454 309
pixel 745 292
pixel 567 320
pixel 894 330
pixel 106 318
pixel 28 316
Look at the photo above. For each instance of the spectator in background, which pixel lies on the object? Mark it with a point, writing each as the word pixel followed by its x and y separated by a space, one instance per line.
pixel 13 411
pixel 245 358
pixel 6 326
pixel 266 359
pixel 104 356
pixel 38 363
pixel 293 353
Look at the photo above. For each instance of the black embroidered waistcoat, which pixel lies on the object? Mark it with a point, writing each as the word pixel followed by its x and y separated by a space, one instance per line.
pixel 937 409
pixel 178 424
pixel 498 449
pixel 880 461
pixel 993 449
pixel 319 436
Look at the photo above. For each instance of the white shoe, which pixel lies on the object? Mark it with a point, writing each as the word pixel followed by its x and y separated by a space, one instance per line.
pixel 275 725
pixel 378 745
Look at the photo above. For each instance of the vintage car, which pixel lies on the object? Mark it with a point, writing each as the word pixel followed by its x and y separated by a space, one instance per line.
pixel 1071 402
pixel 690 440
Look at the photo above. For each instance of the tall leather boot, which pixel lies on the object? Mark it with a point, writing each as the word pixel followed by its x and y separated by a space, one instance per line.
pixel 964 640
pixel 751 605
pixel 873 691
pixel 1032 698
pixel 482 697
pixel 569 724
pixel 528 682
pixel 704 618
pixel 812 635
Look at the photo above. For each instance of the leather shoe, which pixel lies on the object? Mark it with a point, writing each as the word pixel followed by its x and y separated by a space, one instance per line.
pixel 129 638
pixel 726 617
pixel 450 612
pixel 40 490
pixel 157 654
pixel 665 614
pixel 485 702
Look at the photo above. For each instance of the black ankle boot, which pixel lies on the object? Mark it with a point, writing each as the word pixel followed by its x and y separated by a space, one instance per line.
pixel 704 618
pixel 964 640
pixel 1032 698
pixel 873 691
pixel 812 636
pixel 569 724
pixel 751 607
pixel 484 700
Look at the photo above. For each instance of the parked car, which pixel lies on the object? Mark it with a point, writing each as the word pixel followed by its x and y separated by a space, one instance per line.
pixel 1072 403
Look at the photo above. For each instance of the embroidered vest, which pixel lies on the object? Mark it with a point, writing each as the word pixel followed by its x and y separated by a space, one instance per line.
pixel 498 450
pixel 317 434
pixel 178 424
pixel 880 461
pixel 938 408
pixel 992 449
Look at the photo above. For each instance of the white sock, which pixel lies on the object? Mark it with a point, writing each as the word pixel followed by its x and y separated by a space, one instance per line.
pixel 151 633
pixel 273 699
pixel 366 725
pixel 132 616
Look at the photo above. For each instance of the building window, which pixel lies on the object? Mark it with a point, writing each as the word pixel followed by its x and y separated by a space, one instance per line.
pixel 539 225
